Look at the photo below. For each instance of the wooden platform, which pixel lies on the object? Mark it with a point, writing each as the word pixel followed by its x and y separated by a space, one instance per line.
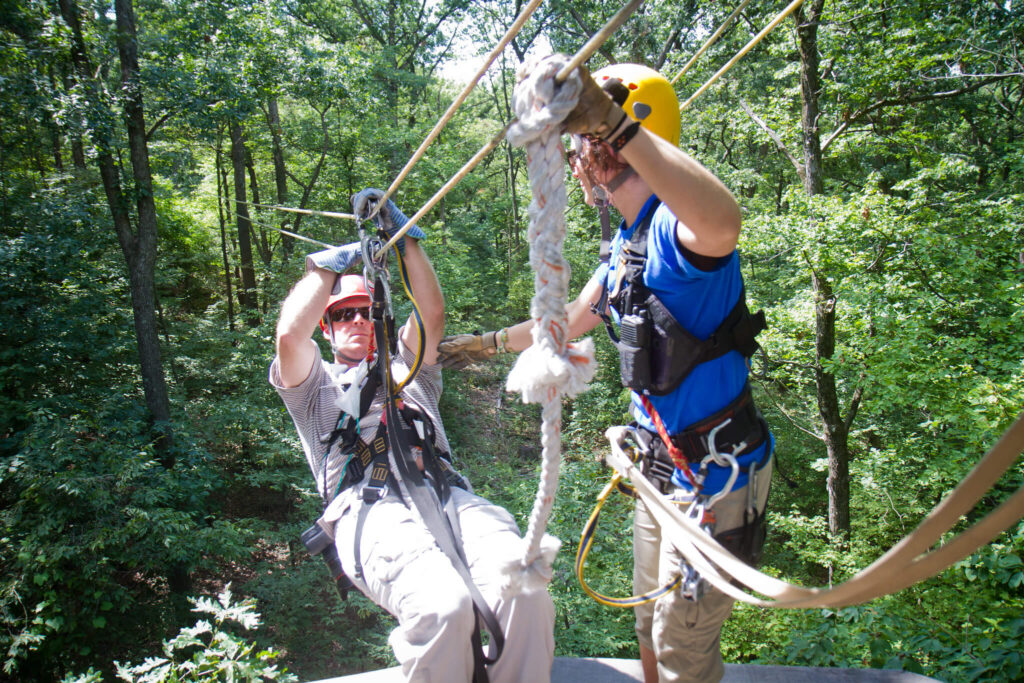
pixel 573 670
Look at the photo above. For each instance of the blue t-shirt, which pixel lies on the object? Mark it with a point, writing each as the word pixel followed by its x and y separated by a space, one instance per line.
pixel 700 300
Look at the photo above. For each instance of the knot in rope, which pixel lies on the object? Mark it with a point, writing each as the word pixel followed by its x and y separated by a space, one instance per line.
pixel 540 103
pixel 552 367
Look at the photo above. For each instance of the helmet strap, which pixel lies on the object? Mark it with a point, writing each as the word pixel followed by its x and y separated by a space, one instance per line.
pixel 624 175
pixel 605 253
pixel 345 359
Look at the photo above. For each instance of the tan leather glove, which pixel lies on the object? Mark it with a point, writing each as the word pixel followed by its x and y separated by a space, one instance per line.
pixel 595 113
pixel 459 350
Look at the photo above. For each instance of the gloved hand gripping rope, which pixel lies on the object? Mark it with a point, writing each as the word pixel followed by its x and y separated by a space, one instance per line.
pixel 552 367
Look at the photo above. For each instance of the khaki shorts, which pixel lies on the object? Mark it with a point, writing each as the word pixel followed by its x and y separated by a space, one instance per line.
pixel 684 634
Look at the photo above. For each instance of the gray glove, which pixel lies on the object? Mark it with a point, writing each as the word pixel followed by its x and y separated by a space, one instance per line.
pixel 459 350
pixel 335 259
pixel 392 218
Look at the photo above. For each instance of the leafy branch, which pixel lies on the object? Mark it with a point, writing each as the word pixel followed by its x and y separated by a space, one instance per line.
pixel 905 100
pixel 208 651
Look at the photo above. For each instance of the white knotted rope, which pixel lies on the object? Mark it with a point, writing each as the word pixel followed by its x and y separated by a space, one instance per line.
pixel 552 367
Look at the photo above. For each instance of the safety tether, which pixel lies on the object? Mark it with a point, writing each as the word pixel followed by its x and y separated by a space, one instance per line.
pixel 909 561
pixel 551 367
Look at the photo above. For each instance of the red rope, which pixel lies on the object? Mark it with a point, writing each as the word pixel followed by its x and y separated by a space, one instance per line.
pixel 678 459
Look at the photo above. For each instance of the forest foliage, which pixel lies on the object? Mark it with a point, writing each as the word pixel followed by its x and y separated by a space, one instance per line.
pixel 144 459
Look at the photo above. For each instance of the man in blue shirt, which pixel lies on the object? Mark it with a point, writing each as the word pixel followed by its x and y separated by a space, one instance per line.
pixel 672 288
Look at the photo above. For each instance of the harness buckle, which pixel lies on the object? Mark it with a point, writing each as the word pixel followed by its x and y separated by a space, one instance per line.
pixel 375 487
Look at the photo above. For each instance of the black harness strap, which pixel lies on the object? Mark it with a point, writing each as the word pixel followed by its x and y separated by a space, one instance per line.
pixel 656 352
pixel 745 426
pixel 434 506
pixel 380 477
pixel 439 525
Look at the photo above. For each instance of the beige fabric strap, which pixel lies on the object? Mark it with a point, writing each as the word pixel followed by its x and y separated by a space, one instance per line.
pixel 906 563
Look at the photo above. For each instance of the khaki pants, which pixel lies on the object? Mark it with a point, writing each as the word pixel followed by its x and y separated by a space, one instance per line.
pixel 684 634
pixel 406 573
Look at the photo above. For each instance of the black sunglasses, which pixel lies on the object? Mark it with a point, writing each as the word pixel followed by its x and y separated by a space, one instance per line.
pixel 344 315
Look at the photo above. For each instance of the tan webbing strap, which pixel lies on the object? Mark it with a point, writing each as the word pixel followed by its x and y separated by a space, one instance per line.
pixel 897 569
pixel 993 524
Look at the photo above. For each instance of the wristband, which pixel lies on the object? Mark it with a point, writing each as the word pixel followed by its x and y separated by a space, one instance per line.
pixel 501 339
pixel 619 140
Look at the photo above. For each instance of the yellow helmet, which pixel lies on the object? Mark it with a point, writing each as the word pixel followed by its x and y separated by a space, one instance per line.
pixel 651 99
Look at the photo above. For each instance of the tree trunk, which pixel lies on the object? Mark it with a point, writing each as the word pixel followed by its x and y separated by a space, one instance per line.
pixel 222 197
pixel 142 259
pixel 4 209
pixel 55 143
pixel 138 247
pixel 56 132
pixel 810 86
pixel 836 431
pixel 262 245
pixel 280 173
pixel 247 294
pixel 77 148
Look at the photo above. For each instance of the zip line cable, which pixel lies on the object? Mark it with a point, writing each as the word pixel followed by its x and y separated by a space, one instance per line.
pixel 746 48
pixel 455 180
pixel 292 234
pixel 512 32
pixel 598 39
pixel 306 212
pixel 582 55
pixel 297 236
pixel 710 41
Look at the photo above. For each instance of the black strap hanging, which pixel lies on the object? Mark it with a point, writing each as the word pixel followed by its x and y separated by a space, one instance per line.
pixel 439 524
pixel 435 507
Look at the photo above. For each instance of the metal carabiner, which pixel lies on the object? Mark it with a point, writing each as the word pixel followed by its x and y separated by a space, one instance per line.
pixel 692 585
pixel 723 460
pixel 370 248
